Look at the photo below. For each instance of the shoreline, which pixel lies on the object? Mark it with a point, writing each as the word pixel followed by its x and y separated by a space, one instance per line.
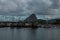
pixel 27 25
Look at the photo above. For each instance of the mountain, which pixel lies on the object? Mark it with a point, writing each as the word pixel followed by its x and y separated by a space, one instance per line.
pixel 31 18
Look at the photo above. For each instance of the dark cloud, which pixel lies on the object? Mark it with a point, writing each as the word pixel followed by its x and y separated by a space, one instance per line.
pixel 27 7
pixel 55 4
pixel 22 7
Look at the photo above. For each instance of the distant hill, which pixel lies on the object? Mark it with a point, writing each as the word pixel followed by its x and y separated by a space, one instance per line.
pixel 54 21
pixel 31 18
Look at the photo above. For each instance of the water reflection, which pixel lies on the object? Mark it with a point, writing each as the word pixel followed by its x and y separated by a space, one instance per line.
pixel 29 34
pixel 32 35
pixel 12 34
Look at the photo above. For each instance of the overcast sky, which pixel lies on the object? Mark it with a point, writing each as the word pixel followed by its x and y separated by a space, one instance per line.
pixel 27 7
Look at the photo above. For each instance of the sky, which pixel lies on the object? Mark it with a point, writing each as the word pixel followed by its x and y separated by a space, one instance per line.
pixel 42 8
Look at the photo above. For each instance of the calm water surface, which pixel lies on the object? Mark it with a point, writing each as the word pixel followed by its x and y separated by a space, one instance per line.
pixel 30 34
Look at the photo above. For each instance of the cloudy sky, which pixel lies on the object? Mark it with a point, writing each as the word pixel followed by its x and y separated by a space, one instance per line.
pixel 46 8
